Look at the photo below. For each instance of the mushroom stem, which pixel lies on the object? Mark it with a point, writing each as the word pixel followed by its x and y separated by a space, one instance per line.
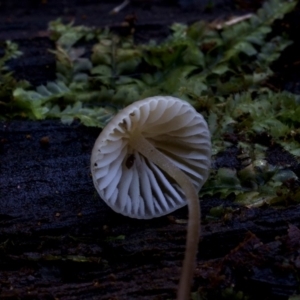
pixel 139 143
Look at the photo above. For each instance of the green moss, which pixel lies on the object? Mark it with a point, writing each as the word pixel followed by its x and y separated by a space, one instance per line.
pixel 217 70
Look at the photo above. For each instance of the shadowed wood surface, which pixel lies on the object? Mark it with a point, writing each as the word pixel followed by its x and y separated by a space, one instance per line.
pixel 58 240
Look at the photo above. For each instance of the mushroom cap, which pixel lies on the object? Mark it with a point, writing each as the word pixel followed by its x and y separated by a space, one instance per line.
pixel 129 182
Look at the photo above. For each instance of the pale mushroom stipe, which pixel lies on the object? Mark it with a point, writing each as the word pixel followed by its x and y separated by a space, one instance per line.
pixel 151 159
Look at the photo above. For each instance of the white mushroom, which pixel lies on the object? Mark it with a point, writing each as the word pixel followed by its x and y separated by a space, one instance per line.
pixel 151 159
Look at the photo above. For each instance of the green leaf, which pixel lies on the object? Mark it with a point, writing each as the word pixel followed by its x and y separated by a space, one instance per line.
pixel 31 103
pixel 220 69
pixel 220 72
pixel 193 56
pixel 102 70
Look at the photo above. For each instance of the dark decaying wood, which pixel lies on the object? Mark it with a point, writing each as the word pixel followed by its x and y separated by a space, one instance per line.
pixel 59 241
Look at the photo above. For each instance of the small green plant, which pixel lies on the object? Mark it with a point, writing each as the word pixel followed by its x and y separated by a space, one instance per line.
pixel 194 62
pixel 219 71
pixel 7 81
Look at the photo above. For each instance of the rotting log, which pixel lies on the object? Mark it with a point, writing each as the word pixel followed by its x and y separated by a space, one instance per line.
pixel 59 240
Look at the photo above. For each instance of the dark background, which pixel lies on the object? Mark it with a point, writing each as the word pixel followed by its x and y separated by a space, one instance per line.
pixel 58 240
